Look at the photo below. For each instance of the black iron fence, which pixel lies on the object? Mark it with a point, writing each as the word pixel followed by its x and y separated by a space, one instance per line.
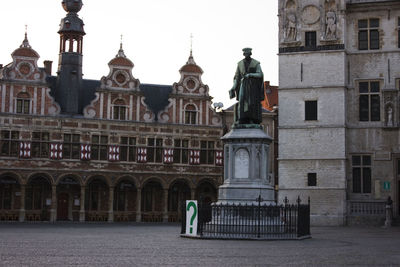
pixel 254 221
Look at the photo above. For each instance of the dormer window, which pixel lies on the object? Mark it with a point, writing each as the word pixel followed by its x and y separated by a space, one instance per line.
pixel 190 114
pixel 23 102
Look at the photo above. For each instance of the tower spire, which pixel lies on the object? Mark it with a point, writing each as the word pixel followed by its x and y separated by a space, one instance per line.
pixel 191 59
pixel 25 42
pixel 121 52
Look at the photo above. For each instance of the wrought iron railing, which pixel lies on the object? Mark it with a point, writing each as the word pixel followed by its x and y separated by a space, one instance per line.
pixel 254 221
pixel 367 208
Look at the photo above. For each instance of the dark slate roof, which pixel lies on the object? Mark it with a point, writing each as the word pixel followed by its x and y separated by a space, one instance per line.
pixel 88 87
pixel 156 96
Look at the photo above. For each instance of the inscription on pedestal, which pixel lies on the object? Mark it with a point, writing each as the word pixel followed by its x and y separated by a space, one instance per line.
pixel 242 164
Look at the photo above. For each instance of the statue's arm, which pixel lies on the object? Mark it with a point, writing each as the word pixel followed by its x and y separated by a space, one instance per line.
pixel 257 74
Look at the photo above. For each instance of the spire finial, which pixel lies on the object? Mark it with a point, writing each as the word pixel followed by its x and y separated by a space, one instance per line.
pixel 191 44
pixel 121 52
pixel 191 60
pixel 25 42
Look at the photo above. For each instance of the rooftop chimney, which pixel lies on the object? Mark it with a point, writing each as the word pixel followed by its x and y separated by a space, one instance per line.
pixel 47 66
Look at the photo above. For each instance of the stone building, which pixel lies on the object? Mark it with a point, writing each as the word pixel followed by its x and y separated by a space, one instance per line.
pixel 339 107
pixel 102 150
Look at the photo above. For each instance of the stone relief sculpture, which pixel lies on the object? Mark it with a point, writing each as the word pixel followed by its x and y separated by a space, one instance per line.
pixel 330 30
pixel 291 24
pixel 389 116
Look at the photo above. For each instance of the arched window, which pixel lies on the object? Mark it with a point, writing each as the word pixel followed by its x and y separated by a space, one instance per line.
pixel 119 110
pixel 190 114
pixel 23 103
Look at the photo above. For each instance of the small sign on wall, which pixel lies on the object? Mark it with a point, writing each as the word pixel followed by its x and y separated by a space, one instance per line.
pixel 77 202
pixel 386 185
pixel 191 217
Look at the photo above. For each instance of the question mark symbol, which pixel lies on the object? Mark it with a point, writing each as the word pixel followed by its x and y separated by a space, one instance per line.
pixel 192 205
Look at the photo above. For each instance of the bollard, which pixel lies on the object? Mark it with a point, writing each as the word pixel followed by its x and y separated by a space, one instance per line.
pixel 389 214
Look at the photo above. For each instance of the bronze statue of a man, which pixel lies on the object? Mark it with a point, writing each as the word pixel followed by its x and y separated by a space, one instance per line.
pixel 248 88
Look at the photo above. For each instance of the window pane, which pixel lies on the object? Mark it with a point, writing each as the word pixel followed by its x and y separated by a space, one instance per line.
pixel 76 138
pixel 203 144
pixel 374 39
pixel 356 160
pixel 356 180
pixel 375 87
pixel 104 140
pixel 36 136
pixel 364 110
pixel 14 135
pixel 76 151
pixel 363 87
pixel 95 139
pixel 95 152
pixel 366 180
pixel 67 151
pixel 132 153
pixel 159 142
pixel 374 23
pixel 124 140
pixel 311 39
pixel 5 134
pixel 375 108
pixel 67 138
pixel 366 160
pixel 150 142
pixel 312 179
pixel 19 106
pixel 132 141
pixel 26 106
pixel 116 109
pixel 45 136
pixel 310 110
pixel 185 143
pixel 103 152
pixel 363 23
pixel 363 40
pixel 177 155
pixel 123 156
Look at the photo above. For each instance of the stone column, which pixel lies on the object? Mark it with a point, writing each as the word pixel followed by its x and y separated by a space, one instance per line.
pixel 111 205
pixel 165 213
pixel 138 205
pixel 22 207
pixel 53 209
pixel 82 205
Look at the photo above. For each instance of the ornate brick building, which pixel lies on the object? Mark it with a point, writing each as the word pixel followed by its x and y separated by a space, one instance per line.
pixel 108 150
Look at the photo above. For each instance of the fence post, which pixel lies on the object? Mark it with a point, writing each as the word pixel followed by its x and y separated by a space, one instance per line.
pixel 389 212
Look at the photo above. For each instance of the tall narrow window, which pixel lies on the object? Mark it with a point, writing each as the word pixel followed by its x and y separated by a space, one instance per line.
pixel 23 103
pixel 181 153
pixel 398 32
pixel 190 114
pixel 368 34
pixel 99 147
pixel 311 179
pixel 71 146
pixel 311 39
pixel 369 106
pixel 9 143
pixel 154 150
pixel 207 151
pixel 311 110
pixel 128 149
pixel 40 145
pixel 119 110
pixel 361 166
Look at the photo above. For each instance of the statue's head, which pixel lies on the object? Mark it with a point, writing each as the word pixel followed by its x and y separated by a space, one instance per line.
pixel 247 52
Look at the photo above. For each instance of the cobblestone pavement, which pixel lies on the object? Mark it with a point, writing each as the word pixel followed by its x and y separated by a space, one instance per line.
pixel 138 244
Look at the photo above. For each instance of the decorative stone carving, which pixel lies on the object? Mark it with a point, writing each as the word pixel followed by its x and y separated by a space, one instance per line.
pixel 330 26
pixel 310 15
pixel 389 116
pixel 291 27
pixel 242 164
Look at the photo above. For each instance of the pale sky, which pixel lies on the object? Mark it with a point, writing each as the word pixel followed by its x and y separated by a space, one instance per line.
pixel 156 36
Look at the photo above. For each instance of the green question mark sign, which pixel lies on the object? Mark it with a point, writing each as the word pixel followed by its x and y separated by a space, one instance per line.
pixel 190 205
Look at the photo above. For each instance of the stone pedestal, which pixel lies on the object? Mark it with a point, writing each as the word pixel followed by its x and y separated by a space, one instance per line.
pixel 246 171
